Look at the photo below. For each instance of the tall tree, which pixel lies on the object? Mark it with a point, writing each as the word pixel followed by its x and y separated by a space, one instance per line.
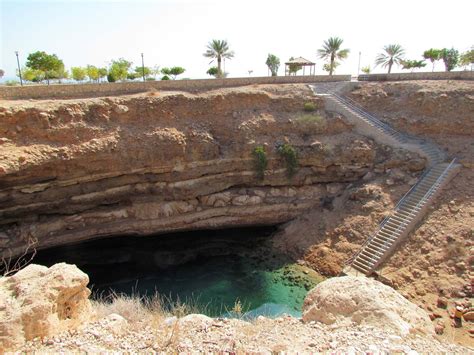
pixel 467 58
pixel 102 73
pixel 332 51
pixel 450 58
pixel 47 63
pixel 433 55
pixel 273 63
pixel 78 73
pixel 92 72
pixel 174 71
pixel 140 70
pixel 218 49
pixel 393 55
pixel 118 69
pixel 60 73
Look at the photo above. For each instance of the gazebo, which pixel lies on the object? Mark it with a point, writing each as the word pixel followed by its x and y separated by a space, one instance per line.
pixel 300 62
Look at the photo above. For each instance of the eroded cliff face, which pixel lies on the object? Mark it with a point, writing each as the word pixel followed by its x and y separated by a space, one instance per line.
pixel 74 170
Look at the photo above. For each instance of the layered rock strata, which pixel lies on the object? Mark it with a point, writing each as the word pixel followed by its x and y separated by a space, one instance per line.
pixel 74 170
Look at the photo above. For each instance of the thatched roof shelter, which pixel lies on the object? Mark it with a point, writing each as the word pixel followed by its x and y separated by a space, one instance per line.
pixel 295 64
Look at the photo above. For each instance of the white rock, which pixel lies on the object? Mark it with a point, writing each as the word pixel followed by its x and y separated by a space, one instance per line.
pixel 115 323
pixel 42 301
pixel 342 300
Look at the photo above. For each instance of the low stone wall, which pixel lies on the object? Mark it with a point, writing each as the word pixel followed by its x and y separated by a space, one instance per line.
pixel 64 91
pixel 453 75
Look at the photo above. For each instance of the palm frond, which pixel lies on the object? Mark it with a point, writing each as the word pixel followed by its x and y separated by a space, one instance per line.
pixel 343 53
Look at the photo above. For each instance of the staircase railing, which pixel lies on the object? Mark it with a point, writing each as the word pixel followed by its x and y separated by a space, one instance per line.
pixel 354 106
pixel 385 220
pixel 425 198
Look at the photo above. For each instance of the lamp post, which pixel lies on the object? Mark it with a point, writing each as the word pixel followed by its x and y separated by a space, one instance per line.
pixel 19 70
pixel 358 66
pixel 143 68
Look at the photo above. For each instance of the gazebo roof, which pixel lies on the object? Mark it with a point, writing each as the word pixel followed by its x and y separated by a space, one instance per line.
pixel 299 61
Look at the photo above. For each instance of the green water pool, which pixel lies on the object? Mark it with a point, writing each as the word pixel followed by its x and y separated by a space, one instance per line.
pixel 216 284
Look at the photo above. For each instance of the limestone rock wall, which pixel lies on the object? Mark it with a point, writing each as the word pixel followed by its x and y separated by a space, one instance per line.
pixel 73 170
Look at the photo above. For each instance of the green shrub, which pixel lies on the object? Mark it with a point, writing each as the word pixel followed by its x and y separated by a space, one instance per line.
pixel 288 153
pixel 111 78
pixel 260 161
pixel 309 107
pixel 11 83
pixel 165 77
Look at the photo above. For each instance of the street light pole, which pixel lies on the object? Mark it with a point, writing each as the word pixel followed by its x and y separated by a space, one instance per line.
pixel 358 66
pixel 143 68
pixel 19 70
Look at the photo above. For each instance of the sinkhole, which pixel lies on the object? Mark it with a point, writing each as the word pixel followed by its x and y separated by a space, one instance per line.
pixel 220 272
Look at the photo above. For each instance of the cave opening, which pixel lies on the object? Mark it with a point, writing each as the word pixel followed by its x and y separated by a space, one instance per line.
pixel 214 270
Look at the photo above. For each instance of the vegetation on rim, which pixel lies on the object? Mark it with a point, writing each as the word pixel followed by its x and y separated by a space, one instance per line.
pixel 288 153
pixel 260 161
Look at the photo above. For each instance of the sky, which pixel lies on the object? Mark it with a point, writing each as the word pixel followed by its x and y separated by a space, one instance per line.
pixel 176 32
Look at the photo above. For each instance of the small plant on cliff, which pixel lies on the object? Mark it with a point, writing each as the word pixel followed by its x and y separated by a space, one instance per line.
pixel 288 153
pixel 10 265
pixel 260 161
pixel 309 106
pixel 312 121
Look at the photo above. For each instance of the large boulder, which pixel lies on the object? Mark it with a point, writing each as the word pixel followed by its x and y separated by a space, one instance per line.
pixel 345 300
pixel 38 301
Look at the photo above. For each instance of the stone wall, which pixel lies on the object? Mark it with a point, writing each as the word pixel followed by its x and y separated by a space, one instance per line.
pixel 106 89
pixel 454 75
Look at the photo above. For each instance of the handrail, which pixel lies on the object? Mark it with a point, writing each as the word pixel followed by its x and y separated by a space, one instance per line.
pixel 399 135
pixel 355 106
pixel 385 220
pixel 434 187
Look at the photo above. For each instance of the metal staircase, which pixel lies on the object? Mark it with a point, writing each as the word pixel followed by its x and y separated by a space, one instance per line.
pixel 408 212
pixel 412 206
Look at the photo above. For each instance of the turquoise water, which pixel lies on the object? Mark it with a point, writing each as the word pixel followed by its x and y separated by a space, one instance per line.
pixel 215 284
pixel 210 270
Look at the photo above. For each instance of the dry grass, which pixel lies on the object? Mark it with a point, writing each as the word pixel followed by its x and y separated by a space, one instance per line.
pixel 312 121
pixel 138 309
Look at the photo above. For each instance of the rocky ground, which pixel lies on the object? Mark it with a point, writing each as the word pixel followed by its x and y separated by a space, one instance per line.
pixel 432 269
pixel 197 333
pixel 346 314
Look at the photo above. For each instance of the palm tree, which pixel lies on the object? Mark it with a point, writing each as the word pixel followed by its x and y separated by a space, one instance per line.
pixel 393 55
pixel 218 49
pixel 331 50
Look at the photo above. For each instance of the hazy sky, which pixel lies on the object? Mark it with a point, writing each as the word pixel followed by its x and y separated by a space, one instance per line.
pixel 175 32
